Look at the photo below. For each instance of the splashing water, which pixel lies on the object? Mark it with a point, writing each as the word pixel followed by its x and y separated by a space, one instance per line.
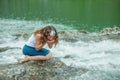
pixel 100 58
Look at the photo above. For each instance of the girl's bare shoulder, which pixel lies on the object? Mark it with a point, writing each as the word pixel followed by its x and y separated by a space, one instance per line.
pixel 38 36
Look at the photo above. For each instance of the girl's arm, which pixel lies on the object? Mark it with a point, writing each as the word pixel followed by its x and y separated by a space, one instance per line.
pixel 38 43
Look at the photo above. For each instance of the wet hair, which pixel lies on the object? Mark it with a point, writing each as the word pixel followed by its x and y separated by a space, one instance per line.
pixel 48 31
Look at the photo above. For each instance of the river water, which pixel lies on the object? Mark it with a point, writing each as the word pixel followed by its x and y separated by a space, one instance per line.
pixel 90 15
pixel 101 57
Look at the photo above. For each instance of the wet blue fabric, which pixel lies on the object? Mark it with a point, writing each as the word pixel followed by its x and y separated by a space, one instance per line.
pixel 31 51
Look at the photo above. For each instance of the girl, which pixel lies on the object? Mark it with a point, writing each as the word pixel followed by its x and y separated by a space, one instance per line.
pixel 33 49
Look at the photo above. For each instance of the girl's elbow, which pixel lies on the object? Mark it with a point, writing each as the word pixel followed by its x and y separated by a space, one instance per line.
pixel 49 56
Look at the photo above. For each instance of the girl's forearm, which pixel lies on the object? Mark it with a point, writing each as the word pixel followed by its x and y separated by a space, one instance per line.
pixel 50 45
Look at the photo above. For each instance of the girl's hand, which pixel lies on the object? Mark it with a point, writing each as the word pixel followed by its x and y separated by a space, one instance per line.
pixel 50 43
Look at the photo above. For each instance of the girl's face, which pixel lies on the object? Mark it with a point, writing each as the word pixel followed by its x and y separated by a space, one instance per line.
pixel 50 38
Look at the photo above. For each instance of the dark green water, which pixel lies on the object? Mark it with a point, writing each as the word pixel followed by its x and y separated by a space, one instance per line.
pixel 90 15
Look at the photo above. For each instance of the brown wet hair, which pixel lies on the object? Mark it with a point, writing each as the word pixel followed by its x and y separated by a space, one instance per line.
pixel 46 31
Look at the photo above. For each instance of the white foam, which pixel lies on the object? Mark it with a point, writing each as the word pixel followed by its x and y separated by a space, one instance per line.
pixel 90 54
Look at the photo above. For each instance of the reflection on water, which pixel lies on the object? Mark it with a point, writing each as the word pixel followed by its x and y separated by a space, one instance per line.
pixel 80 14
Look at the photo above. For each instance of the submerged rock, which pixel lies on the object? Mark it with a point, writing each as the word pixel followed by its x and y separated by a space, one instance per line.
pixel 108 31
pixel 71 36
pixel 23 35
pixel 105 34
pixel 52 69
pixel 2 49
